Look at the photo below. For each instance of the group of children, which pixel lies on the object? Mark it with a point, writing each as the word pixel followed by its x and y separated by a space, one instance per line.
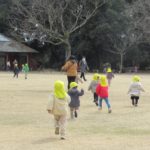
pixel 58 105
pixel 59 101
pixel 25 70
pixel 99 88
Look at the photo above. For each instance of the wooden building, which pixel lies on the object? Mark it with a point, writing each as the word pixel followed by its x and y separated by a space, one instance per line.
pixel 11 50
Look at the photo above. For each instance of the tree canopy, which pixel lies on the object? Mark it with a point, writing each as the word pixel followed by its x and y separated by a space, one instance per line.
pixel 114 31
pixel 52 21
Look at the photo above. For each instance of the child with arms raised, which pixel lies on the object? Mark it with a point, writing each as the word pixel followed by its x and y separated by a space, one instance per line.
pixel 75 101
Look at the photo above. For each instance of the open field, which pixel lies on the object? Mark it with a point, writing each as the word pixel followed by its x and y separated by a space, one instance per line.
pixel 25 124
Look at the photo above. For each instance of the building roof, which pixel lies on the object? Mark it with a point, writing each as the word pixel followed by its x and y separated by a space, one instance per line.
pixel 11 46
pixel 3 38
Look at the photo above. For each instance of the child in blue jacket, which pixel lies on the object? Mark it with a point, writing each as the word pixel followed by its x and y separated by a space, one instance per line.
pixel 74 94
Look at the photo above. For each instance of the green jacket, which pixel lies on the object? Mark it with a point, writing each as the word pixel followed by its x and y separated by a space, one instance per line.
pixel 25 68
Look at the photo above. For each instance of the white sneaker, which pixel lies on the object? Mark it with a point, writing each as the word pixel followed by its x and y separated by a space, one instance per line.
pixel 99 108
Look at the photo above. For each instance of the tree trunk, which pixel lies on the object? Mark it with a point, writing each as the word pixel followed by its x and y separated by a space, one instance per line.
pixel 121 62
pixel 67 49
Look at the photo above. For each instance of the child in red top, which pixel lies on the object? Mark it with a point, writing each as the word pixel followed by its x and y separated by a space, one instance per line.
pixel 102 92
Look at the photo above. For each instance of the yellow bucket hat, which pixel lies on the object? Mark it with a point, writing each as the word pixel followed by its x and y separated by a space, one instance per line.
pixel 109 70
pixel 59 89
pixel 73 84
pixel 136 78
pixel 96 76
pixel 103 81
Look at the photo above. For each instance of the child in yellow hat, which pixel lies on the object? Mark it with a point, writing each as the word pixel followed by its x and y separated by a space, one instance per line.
pixel 74 93
pixel 25 69
pixel 109 75
pixel 58 106
pixel 93 85
pixel 135 90
pixel 102 92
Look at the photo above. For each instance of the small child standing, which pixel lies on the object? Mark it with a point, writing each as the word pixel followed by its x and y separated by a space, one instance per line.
pixel 102 92
pixel 25 69
pixel 109 75
pixel 93 86
pixel 134 90
pixel 16 70
pixel 75 102
pixel 58 106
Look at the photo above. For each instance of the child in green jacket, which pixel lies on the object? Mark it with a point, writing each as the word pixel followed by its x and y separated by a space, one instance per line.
pixel 25 69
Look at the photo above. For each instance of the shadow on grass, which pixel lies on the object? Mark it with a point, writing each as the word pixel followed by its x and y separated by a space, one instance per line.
pixel 128 106
pixel 131 106
pixel 46 140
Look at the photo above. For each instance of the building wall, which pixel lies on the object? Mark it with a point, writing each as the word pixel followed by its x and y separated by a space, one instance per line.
pixel 21 58
pixel 4 57
pixel 2 61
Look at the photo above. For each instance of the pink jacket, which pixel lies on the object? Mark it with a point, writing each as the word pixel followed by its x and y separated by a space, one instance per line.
pixel 102 91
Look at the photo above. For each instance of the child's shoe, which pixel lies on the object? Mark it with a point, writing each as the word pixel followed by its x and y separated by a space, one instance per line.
pixel 62 138
pixel 57 130
pixel 109 110
pixel 75 114
pixel 96 103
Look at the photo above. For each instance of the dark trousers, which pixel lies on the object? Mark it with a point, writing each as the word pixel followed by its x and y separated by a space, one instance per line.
pixel 95 98
pixel 16 72
pixel 82 76
pixel 134 100
pixel 70 79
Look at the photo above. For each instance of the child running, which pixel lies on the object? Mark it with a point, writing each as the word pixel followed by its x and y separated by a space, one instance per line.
pixel 109 75
pixel 93 86
pixel 75 102
pixel 58 106
pixel 135 89
pixel 102 92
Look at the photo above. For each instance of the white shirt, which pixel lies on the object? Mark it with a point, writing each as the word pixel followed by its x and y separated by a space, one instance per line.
pixel 135 89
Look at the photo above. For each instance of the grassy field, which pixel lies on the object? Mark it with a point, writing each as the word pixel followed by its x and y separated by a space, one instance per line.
pixel 25 124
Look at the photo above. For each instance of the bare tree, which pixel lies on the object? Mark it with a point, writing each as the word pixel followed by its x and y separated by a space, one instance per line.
pixel 129 34
pixel 140 13
pixel 121 45
pixel 139 28
pixel 52 21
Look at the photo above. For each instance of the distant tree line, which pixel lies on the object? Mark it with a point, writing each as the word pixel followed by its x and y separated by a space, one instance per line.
pixel 105 31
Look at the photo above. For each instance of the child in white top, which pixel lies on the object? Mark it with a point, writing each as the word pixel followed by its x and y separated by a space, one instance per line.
pixel 135 90
pixel 92 87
